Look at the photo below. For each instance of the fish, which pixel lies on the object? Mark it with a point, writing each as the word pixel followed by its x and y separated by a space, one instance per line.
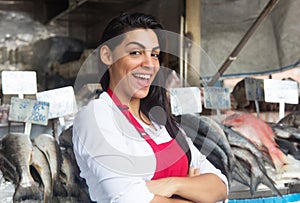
pixel 218 157
pixel 41 165
pixel 257 175
pixel 286 131
pixel 214 153
pixel 212 130
pixel 238 140
pixel 69 177
pixel 210 149
pixel 65 138
pixel 288 147
pixel 292 119
pixel 74 185
pixel 49 147
pixel 259 133
pixel 239 94
pixel 17 149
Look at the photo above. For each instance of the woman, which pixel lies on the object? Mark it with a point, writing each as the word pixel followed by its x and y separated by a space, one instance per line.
pixel 127 145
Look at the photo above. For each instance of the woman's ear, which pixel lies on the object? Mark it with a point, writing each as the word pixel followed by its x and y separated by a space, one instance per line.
pixel 106 55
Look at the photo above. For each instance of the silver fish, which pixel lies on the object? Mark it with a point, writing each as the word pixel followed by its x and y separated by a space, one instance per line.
pixel 292 119
pixel 257 175
pixel 48 145
pixel 17 149
pixel 212 130
pixel 70 178
pixel 41 165
pixel 65 138
pixel 288 147
pixel 76 188
pixel 285 131
pixel 211 150
pixel 237 140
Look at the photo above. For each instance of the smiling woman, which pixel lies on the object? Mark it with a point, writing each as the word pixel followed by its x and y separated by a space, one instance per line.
pixel 132 65
pixel 127 144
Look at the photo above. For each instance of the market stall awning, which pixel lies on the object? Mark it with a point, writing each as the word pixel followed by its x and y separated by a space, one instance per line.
pixel 275 46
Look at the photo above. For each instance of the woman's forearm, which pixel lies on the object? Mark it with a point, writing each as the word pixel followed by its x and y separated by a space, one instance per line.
pixel 160 199
pixel 203 188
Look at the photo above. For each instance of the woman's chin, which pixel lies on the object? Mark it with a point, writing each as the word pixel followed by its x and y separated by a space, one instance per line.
pixel 141 93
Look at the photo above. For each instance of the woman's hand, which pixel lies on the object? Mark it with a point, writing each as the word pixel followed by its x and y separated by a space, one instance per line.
pixel 163 187
pixel 193 172
pixel 166 187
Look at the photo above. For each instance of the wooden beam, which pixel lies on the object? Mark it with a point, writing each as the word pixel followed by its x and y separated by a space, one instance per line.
pixel 193 32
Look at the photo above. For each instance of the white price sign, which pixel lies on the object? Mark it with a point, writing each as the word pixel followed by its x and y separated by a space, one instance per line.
pixel 29 111
pixel 19 82
pixel 185 100
pixel 216 98
pixel 62 101
pixel 281 91
pixel 254 89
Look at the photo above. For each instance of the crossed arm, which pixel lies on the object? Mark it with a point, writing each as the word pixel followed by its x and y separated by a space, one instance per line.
pixel 204 188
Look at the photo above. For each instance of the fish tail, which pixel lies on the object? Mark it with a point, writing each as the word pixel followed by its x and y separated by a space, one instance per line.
pixel 278 157
pixel 27 193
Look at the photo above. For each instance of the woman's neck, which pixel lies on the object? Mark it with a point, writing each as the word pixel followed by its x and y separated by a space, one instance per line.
pixel 133 104
pixel 134 107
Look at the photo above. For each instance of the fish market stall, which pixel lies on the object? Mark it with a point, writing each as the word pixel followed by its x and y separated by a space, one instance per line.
pixel 254 142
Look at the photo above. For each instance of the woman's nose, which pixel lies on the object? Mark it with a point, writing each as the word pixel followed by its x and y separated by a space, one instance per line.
pixel 149 61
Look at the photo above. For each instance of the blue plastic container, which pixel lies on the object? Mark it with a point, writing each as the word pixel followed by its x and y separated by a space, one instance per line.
pixel 293 198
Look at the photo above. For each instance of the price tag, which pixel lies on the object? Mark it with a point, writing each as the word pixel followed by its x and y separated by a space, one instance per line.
pixel 28 111
pixel 254 89
pixel 281 91
pixel 185 100
pixel 216 98
pixel 62 101
pixel 19 82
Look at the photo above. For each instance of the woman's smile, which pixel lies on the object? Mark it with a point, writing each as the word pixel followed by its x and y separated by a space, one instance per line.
pixel 142 80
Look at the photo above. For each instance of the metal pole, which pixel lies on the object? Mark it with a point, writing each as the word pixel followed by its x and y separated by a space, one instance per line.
pixel 243 41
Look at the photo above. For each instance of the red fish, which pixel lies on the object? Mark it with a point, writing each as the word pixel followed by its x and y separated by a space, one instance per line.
pixel 259 132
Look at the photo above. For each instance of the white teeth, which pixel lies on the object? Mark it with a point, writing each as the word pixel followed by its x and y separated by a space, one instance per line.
pixel 142 76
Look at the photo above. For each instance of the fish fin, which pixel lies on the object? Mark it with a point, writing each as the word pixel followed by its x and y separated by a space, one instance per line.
pixel 254 184
pixel 278 157
pixel 271 184
pixel 238 169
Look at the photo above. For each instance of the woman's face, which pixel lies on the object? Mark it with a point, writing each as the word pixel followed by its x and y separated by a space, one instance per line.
pixel 134 64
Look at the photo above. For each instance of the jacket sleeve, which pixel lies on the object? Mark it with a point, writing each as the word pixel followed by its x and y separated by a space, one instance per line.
pixel 105 161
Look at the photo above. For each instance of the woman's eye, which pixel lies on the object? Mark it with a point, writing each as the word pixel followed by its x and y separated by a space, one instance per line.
pixel 136 52
pixel 156 55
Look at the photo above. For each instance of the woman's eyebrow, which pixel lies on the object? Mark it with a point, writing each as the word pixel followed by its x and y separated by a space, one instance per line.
pixel 141 45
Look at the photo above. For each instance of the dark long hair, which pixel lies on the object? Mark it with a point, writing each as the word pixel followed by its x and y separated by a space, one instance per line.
pixel 157 96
